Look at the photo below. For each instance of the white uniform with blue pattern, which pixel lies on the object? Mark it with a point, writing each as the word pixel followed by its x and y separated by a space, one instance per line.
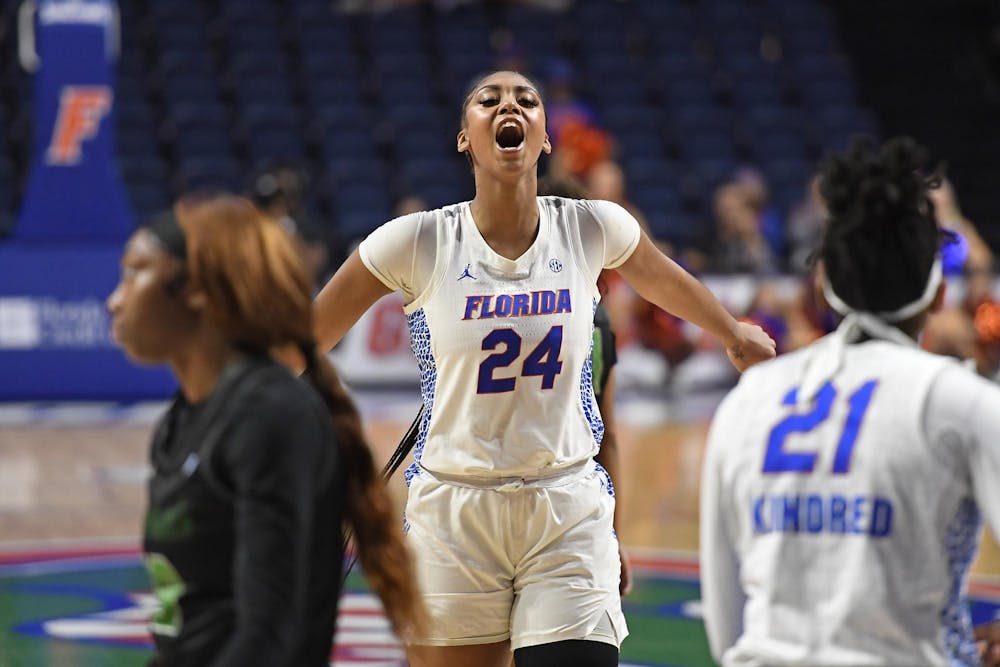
pixel 503 461
pixel 503 345
pixel 839 530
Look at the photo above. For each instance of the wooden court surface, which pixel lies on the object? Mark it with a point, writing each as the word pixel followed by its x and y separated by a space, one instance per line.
pixel 73 475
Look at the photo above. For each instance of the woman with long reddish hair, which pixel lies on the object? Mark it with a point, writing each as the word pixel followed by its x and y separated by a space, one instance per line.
pixel 254 469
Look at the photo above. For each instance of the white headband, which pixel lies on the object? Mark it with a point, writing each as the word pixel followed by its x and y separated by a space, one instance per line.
pixel 898 315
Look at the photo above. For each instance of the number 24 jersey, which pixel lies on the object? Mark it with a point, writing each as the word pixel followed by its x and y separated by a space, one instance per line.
pixel 503 345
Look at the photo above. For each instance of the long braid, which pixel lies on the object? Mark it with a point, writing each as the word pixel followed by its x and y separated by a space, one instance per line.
pixel 260 299
pixel 370 514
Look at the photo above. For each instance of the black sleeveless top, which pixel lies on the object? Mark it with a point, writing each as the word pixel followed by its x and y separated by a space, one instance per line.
pixel 243 530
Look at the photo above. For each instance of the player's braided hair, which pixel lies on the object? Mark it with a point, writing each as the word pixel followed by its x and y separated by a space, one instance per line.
pixel 259 297
pixel 881 237
pixel 369 509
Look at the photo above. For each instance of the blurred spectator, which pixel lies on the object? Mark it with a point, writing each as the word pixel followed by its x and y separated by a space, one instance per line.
pixel 578 141
pixel 770 311
pixel 741 246
pixel 967 252
pixel 606 180
pixel 805 228
pixel 632 316
pixel 656 329
pixel 969 329
pixel 582 145
pixel 409 204
pixel 278 192
pixel 759 198
pixel 807 316
pixel 561 102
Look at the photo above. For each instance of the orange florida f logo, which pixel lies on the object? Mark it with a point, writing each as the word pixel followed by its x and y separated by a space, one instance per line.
pixel 81 109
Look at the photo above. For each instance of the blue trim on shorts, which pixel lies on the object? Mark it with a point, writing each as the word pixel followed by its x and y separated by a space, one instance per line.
pixel 606 482
pixel 587 386
pixel 961 541
pixel 420 343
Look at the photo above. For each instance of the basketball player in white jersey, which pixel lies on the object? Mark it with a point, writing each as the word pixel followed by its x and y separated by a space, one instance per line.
pixel 509 517
pixel 844 484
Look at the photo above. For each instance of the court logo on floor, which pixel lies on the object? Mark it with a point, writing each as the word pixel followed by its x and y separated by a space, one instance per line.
pixel 363 637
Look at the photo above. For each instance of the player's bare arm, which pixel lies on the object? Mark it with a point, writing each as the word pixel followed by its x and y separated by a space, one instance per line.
pixel 350 292
pixel 660 280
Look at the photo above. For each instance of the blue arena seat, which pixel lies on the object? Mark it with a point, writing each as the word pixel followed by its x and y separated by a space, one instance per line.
pixel 270 115
pixel 197 113
pixel 406 90
pixel 136 142
pixel 178 10
pixel 366 96
pixel 779 145
pixel 344 171
pixel 344 116
pixel 360 208
pixel 263 90
pixel 144 169
pixel 409 144
pixel 249 12
pixel 650 171
pixel 637 144
pixel 191 88
pixel 632 117
pixel 441 194
pixel 181 63
pixel 255 38
pixel 251 64
pixel 347 143
pixel 134 112
pixel 693 118
pixel 333 92
pixel 331 62
pixel 148 199
pixel 819 94
pixel 203 142
pixel 713 170
pixel 271 143
pixel 182 36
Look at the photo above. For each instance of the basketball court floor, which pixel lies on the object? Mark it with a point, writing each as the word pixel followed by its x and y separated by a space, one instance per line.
pixel 73 591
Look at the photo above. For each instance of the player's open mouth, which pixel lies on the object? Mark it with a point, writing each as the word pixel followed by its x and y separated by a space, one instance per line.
pixel 510 137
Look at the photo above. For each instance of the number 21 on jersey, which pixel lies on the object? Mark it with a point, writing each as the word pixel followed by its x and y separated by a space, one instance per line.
pixel 777 459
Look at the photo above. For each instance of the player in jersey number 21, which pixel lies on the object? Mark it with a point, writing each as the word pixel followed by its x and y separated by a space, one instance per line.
pixel 845 484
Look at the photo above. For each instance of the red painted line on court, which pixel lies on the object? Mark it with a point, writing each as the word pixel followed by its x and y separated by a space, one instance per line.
pixel 665 565
pixel 40 554
pixel 677 565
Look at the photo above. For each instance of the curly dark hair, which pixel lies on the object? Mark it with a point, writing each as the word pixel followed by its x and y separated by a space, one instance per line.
pixel 881 237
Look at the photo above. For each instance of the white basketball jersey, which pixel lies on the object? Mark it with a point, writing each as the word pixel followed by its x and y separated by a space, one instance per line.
pixel 839 530
pixel 503 344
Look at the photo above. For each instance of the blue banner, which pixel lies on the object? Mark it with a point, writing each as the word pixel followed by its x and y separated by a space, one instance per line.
pixel 74 191
pixel 55 341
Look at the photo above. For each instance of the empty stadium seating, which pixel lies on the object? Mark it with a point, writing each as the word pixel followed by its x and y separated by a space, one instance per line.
pixel 210 89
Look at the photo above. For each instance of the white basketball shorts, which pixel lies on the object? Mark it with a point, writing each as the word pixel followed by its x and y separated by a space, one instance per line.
pixel 535 561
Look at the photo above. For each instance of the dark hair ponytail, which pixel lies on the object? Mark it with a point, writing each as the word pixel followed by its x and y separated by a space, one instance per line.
pixel 258 295
pixel 881 237
pixel 370 514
